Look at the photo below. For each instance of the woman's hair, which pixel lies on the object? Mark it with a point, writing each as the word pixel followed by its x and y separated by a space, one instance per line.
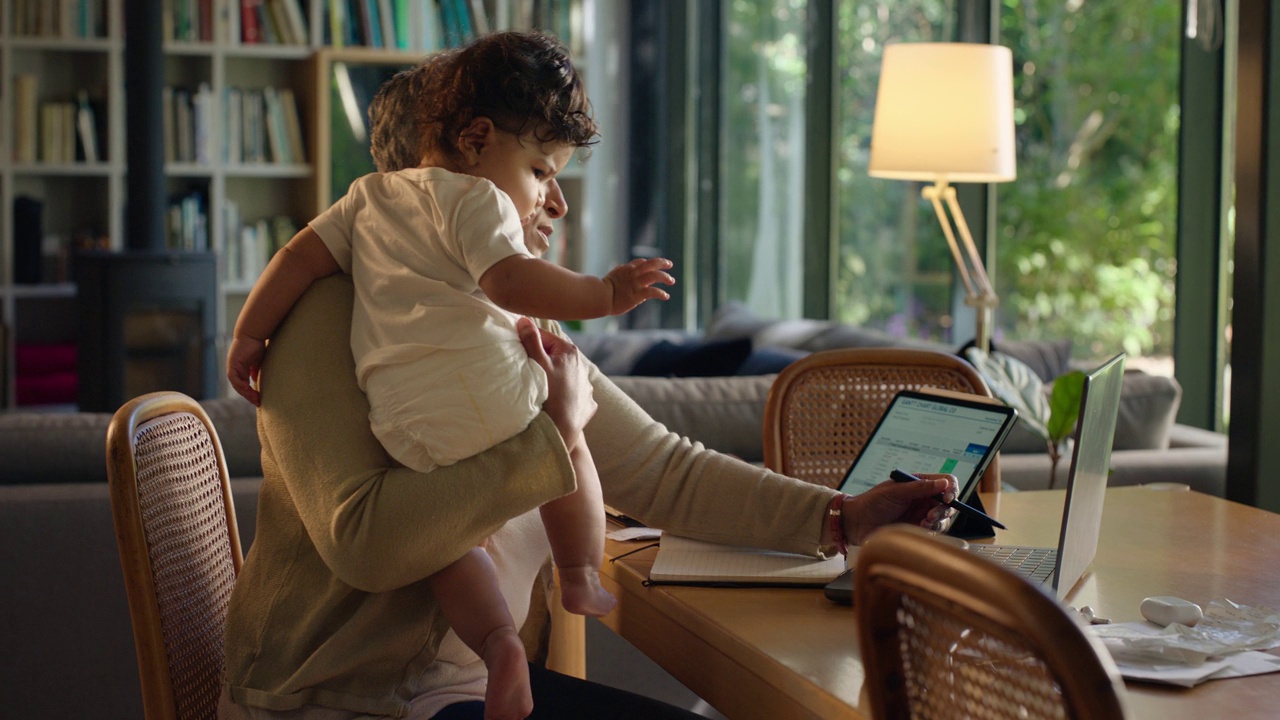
pixel 395 136
pixel 523 81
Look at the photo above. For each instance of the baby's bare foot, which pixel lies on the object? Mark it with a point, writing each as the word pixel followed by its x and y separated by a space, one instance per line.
pixel 582 594
pixel 507 696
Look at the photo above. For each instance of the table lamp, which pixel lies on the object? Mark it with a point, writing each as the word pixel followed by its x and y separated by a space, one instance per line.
pixel 944 114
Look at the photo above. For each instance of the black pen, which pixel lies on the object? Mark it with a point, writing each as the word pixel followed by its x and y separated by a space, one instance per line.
pixel 900 476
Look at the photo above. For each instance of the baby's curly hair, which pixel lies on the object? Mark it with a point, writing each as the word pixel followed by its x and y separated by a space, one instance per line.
pixel 522 81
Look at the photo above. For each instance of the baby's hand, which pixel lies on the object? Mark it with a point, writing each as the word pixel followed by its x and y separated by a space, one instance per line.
pixel 243 361
pixel 633 282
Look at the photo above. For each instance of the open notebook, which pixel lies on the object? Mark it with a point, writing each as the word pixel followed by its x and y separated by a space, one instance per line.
pixel 682 561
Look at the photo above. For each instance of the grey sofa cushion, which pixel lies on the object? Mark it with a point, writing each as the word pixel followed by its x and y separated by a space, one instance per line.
pixel 1148 411
pixel 725 414
pixel 735 320
pixel 55 447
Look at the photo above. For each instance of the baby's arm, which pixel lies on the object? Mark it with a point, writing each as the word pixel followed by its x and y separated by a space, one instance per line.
pixel 542 289
pixel 291 271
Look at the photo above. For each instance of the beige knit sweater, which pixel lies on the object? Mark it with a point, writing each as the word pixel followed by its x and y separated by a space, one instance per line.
pixel 331 607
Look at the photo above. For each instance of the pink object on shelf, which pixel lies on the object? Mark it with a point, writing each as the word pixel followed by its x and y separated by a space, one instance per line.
pixel 52 389
pixel 30 359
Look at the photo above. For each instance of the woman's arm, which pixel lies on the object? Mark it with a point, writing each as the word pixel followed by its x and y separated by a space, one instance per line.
pixel 678 485
pixel 378 527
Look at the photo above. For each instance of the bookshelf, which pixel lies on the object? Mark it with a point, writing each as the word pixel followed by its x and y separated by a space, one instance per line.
pixel 225 197
pixel 61 184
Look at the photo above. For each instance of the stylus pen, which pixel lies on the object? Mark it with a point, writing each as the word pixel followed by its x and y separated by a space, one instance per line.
pixel 900 476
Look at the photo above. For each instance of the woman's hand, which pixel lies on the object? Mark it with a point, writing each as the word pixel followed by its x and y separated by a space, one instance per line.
pixel 569 403
pixel 891 502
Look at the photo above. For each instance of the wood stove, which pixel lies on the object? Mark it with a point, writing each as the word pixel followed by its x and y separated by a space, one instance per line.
pixel 147 322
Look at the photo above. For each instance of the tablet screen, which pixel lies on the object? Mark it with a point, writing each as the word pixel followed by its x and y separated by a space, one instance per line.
pixel 926 433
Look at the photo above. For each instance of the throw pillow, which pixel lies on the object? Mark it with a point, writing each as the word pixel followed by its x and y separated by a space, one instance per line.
pixel 1015 384
pixel 769 361
pixel 1148 411
pixel 693 359
pixel 1047 358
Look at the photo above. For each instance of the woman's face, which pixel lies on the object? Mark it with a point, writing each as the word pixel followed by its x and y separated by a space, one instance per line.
pixel 537 232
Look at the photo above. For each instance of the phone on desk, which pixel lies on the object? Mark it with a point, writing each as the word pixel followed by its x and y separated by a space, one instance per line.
pixel 840 590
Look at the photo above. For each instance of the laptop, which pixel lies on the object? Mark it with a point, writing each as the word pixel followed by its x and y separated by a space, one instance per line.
pixel 1058 569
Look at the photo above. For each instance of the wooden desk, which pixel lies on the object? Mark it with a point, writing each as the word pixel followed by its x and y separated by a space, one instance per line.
pixel 789 653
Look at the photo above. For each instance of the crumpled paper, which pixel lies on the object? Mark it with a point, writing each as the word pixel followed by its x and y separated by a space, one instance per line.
pixel 1227 628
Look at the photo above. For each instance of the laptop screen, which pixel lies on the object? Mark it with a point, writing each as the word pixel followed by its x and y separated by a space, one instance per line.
pixel 923 432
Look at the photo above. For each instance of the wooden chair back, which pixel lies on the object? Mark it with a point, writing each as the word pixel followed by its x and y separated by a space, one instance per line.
pixel 946 634
pixel 823 407
pixel 179 548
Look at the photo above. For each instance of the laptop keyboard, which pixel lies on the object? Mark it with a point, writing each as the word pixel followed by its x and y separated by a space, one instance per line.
pixel 1033 563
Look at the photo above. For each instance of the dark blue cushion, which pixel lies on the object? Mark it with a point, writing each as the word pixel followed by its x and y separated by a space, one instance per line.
pixel 769 361
pixel 693 359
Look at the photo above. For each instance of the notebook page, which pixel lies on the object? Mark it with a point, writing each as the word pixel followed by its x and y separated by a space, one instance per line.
pixel 682 560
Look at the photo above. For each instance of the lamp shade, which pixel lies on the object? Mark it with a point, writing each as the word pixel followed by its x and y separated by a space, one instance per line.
pixel 944 111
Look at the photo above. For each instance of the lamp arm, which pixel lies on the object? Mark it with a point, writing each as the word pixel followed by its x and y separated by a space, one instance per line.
pixel 933 193
pixel 979 269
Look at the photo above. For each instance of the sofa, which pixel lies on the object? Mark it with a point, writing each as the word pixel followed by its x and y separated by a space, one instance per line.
pixel 711 385
pixel 63 616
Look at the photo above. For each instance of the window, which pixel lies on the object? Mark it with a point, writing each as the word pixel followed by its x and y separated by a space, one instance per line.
pixel 893 266
pixel 1086 235
pixel 761 174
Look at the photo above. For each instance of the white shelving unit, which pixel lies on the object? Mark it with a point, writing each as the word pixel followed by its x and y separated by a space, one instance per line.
pixel 78 198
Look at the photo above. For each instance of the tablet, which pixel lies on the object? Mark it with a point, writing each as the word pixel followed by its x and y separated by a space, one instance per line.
pixel 932 431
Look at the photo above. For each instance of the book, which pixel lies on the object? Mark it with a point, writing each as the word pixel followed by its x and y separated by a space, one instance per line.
pixel 277 135
pixel 250 27
pixel 387 14
pixel 26 124
pixel 170 129
pixel 184 124
pixel 279 22
pixel 202 124
pixel 683 561
pixel 86 127
pixel 233 146
pixel 28 229
pixel 292 12
pixel 292 125
pixel 401 23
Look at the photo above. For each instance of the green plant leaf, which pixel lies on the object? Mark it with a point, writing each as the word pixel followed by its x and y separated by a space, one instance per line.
pixel 1064 405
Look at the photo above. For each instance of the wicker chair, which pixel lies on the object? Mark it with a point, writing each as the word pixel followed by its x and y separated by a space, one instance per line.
pixel 823 407
pixel 946 634
pixel 179 548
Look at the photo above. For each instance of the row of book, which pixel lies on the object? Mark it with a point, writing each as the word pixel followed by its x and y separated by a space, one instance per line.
pixel 187 226
pixel 409 25
pixel 258 125
pixel 56 131
pixel 68 19
pixel 276 22
pixel 426 25
pixel 249 245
